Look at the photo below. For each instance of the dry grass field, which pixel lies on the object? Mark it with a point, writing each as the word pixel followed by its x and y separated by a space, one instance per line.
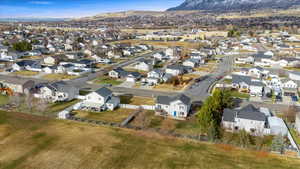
pixel 31 142
pixel 187 45
pixel 55 77
pixel 25 73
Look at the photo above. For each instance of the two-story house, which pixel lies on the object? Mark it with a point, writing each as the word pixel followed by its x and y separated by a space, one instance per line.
pixel 177 107
pixel 101 99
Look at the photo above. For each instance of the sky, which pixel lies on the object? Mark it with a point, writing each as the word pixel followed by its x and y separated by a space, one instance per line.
pixel 77 8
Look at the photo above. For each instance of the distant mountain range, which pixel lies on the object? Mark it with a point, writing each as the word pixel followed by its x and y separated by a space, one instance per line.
pixel 234 5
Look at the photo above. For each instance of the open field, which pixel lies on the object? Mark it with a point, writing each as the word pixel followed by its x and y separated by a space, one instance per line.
pixel 33 142
pixel 59 77
pixel 116 116
pixel 188 45
pixel 25 73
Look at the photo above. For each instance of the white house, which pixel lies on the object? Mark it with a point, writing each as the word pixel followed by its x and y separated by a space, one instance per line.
pixel 58 91
pixel 101 99
pixel 175 70
pixel 248 118
pixel 177 107
pixel 191 63
pixel 294 75
pixel 144 65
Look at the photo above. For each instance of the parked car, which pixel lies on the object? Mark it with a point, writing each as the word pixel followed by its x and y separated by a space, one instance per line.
pixel 294 98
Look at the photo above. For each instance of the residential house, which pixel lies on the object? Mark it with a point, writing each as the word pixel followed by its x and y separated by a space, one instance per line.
pixel 248 118
pixel 118 73
pixel 258 72
pixel 289 87
pixel 244 60
pixel 160 56
pixel 247 84
pixel 263 60
pixel 156 73
pixel 18 85
pixel 176 70
pixel 191 63
pixel 30 65
pixel 57 91
pixel 144 65
pixel 101 99
pixel 177 107
pixel 133 76
pixel 295 75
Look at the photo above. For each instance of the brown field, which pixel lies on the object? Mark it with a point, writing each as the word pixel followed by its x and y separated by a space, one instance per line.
pixel 30 142
pixel 25 73
pixel 55 77
pixel 188 45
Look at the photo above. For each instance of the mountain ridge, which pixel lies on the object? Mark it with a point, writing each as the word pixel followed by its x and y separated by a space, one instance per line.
pixel 235 5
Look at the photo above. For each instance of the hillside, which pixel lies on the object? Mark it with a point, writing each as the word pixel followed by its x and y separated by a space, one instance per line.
pixel 124 14
pixel 28 142
pixel 232 5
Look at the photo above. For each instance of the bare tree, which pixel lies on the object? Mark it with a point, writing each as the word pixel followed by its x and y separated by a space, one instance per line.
pixel 42 106
pixel 15 100
pixel 290 114
pixel 29 101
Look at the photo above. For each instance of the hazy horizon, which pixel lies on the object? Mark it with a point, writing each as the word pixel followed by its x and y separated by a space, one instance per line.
pixel 76 8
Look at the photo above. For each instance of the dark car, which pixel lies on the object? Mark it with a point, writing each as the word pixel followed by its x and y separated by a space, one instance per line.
pixel 278 98
pixel 294 98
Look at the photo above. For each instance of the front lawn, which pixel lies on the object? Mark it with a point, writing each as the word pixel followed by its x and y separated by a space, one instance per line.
pixel 240 95
pixel 107 80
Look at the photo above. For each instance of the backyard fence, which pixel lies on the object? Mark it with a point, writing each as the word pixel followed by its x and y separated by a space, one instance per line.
pixel 135 107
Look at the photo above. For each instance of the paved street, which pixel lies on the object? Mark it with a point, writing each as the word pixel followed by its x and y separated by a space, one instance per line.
pixel 200 90
pixel 82 81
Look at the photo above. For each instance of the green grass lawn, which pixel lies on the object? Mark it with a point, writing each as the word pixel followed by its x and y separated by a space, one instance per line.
pixel 240 95
pixel 29 142
pixel 107 80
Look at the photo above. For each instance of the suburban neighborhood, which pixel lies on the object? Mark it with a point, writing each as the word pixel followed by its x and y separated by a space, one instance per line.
pixel 139 89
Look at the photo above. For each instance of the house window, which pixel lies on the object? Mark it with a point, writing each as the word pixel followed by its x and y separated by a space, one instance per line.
pixel 236 128
pixel 181 107
pixel 181 113
pixel 252 130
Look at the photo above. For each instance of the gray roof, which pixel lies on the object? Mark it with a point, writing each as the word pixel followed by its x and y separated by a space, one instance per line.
pixel 252 113
pixel 239 79
pixel 256 83
pixel 228 115
pixel 58 86
pixel 104 92
pixel 167 100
